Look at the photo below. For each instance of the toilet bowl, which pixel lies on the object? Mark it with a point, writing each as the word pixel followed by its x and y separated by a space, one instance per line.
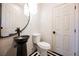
pixel 42 47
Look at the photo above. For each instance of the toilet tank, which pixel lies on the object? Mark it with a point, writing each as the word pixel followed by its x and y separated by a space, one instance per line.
pixel 36 38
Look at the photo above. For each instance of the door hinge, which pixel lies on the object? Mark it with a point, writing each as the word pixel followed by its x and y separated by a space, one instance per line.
pixel 74 53
pixel 75 30
pixel 75 7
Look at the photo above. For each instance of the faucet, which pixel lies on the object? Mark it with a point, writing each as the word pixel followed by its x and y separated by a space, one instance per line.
pixel 18 31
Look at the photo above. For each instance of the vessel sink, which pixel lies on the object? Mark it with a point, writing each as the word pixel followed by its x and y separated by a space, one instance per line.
pixel 21 39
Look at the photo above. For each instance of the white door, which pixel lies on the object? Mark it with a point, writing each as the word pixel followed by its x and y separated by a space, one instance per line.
pixel 63 25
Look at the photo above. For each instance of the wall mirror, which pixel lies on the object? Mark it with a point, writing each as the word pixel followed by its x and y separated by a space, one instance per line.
pixel 13 16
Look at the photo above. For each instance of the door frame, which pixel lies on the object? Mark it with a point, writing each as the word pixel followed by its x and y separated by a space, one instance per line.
pixel 77 29
pixel 0 17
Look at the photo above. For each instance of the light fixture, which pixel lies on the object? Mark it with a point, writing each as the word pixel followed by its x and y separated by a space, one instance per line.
pixel 30 7
pixel 26 10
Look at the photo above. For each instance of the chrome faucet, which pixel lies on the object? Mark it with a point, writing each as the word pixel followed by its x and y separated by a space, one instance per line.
pixel 18 31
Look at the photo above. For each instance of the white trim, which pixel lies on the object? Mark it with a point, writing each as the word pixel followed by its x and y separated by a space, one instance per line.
pixel 77 29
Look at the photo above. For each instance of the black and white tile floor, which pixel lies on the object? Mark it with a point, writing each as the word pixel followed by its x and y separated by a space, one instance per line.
pixel 49 53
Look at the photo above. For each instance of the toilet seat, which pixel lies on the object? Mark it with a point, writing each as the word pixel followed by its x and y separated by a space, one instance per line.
pixel 44 45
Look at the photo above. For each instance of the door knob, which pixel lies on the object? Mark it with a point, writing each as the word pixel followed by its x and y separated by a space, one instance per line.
pixel 54 32
pixel 1 27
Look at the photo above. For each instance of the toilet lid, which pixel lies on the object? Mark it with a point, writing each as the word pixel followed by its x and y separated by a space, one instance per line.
pixel 44 45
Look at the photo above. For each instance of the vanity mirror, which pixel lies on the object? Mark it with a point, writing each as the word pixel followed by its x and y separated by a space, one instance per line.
pixel 13 16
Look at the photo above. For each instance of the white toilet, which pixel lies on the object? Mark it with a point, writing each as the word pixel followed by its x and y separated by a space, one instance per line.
pixel 42 47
